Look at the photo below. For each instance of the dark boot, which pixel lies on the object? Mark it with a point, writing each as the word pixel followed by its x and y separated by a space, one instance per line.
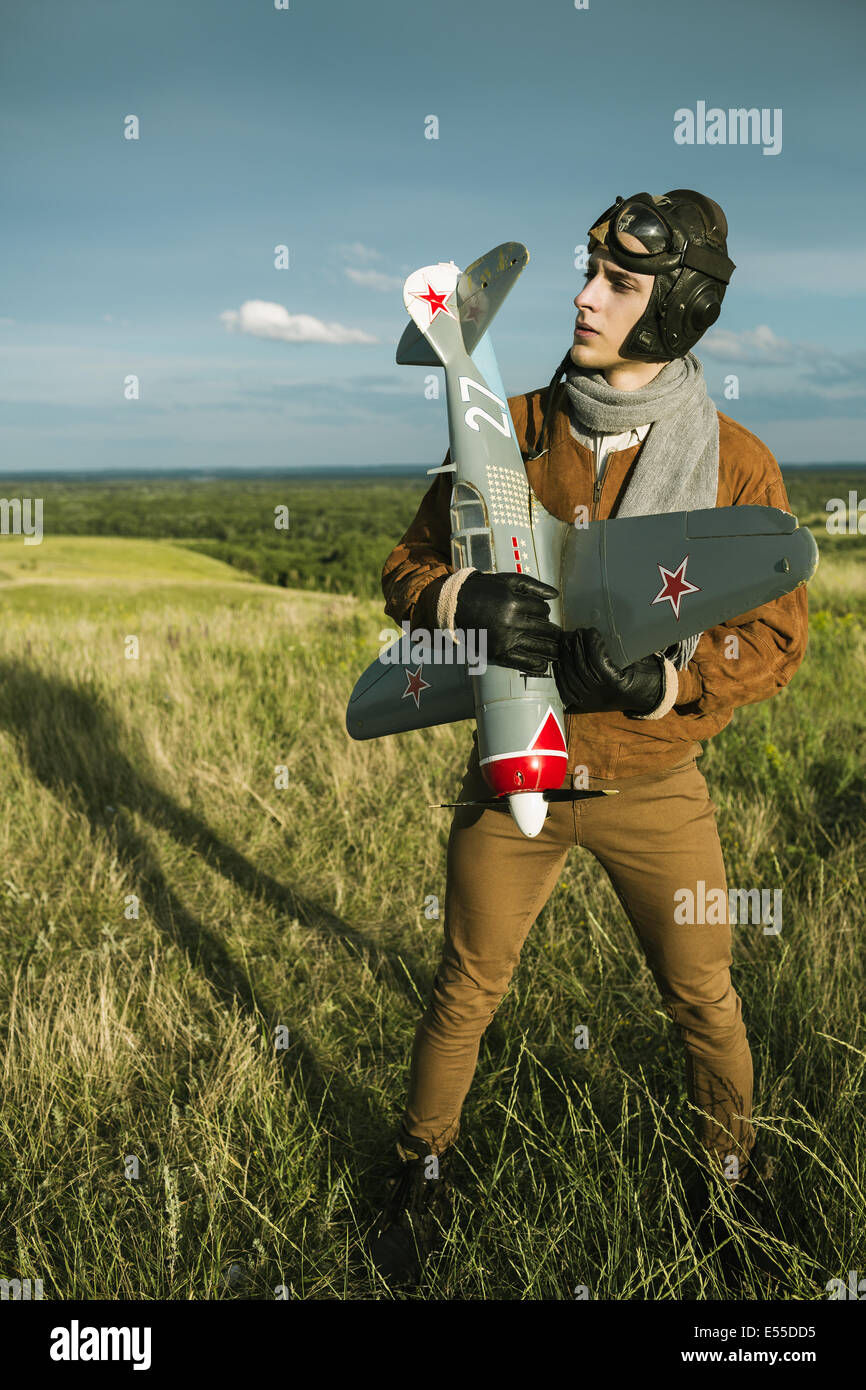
pixel 418 1206
pixel 736 1221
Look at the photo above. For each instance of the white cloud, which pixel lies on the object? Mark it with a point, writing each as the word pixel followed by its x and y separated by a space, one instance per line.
pixel 261 319
pixel 374 279
pixel 6 323
pixel 812 370
pixel 357 251
pixel 755 345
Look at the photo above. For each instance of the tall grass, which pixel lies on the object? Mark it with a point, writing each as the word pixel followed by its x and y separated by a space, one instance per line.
pixel 157 1143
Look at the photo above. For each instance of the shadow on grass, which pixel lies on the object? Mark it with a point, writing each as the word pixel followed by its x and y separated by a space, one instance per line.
pixel 72 743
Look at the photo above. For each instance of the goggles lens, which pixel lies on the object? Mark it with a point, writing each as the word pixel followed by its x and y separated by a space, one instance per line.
pixel 638 220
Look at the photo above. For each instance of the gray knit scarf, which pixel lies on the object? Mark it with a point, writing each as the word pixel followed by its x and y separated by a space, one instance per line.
pixel 677 469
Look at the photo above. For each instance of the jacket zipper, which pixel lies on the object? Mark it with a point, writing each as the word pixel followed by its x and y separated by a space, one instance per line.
pixel 597 484
pixel 596 494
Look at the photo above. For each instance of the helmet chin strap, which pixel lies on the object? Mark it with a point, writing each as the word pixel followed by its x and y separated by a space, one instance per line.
pixel 542 441
pixel 646 341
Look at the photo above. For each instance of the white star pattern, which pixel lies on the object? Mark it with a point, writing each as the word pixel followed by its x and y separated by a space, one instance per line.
pixel 507 497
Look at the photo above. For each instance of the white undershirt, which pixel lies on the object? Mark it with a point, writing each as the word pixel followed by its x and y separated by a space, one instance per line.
pixel 606 444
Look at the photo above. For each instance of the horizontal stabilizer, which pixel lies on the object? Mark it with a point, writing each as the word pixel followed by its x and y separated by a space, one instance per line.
pixel 647 582
pixel 414 350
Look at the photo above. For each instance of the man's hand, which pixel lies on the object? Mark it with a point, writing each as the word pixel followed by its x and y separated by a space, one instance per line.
pixel 589 682
pixel 513 610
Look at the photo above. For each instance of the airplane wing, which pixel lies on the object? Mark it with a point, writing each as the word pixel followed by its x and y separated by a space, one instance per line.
pixel 648 581
pixel 393 697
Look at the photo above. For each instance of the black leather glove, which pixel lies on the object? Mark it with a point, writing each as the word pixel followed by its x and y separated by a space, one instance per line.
pixel 590 682
pixel 513 610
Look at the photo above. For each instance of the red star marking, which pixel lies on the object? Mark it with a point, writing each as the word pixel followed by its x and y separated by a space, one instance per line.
pixel 674 585
pixel 415 686
pixel 436 301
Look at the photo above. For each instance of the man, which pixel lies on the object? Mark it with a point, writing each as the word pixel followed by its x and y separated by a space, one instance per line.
pixel 631 431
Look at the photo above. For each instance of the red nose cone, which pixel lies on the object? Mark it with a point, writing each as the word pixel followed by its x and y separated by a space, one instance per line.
pixel 538 768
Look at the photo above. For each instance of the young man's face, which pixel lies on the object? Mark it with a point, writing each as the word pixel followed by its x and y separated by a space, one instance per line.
pixel 611 302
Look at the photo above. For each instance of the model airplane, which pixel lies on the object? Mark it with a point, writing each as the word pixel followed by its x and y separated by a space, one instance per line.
pixel 713 564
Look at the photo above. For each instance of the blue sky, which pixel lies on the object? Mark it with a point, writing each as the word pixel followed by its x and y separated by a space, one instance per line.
pixel 305 127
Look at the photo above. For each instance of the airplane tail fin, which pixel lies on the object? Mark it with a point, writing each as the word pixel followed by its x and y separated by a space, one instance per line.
pixel 484 286
pixel 451 311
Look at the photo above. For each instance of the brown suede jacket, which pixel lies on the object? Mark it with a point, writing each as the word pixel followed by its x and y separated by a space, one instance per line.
pixel 770 641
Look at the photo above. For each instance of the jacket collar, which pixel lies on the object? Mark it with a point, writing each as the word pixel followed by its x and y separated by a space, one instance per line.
pixel 563 477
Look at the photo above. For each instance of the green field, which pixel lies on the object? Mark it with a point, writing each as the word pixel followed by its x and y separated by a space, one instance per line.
pixel 146 785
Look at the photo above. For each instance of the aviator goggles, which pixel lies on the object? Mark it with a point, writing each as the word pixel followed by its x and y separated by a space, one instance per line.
pixel 667 249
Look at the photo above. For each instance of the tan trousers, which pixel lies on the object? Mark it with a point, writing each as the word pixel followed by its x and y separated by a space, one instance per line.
pixel 657 836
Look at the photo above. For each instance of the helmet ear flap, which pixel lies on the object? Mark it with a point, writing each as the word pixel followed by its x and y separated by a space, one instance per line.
pixel 679 311
pixel 692 307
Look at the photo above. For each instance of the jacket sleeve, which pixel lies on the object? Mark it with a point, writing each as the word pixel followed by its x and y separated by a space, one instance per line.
pixel 420 563
pixel 752 657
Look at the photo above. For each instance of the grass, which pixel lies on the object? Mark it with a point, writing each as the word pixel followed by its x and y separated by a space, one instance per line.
pixel 169 914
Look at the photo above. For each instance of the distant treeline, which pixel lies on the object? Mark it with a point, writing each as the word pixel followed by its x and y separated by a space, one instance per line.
pixel 340 531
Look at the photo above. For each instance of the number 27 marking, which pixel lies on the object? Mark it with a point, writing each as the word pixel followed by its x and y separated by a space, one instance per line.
pixel 475 410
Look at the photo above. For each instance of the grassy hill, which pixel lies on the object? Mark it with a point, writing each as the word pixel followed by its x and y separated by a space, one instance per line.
pixel 165 908
pixel 111 561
